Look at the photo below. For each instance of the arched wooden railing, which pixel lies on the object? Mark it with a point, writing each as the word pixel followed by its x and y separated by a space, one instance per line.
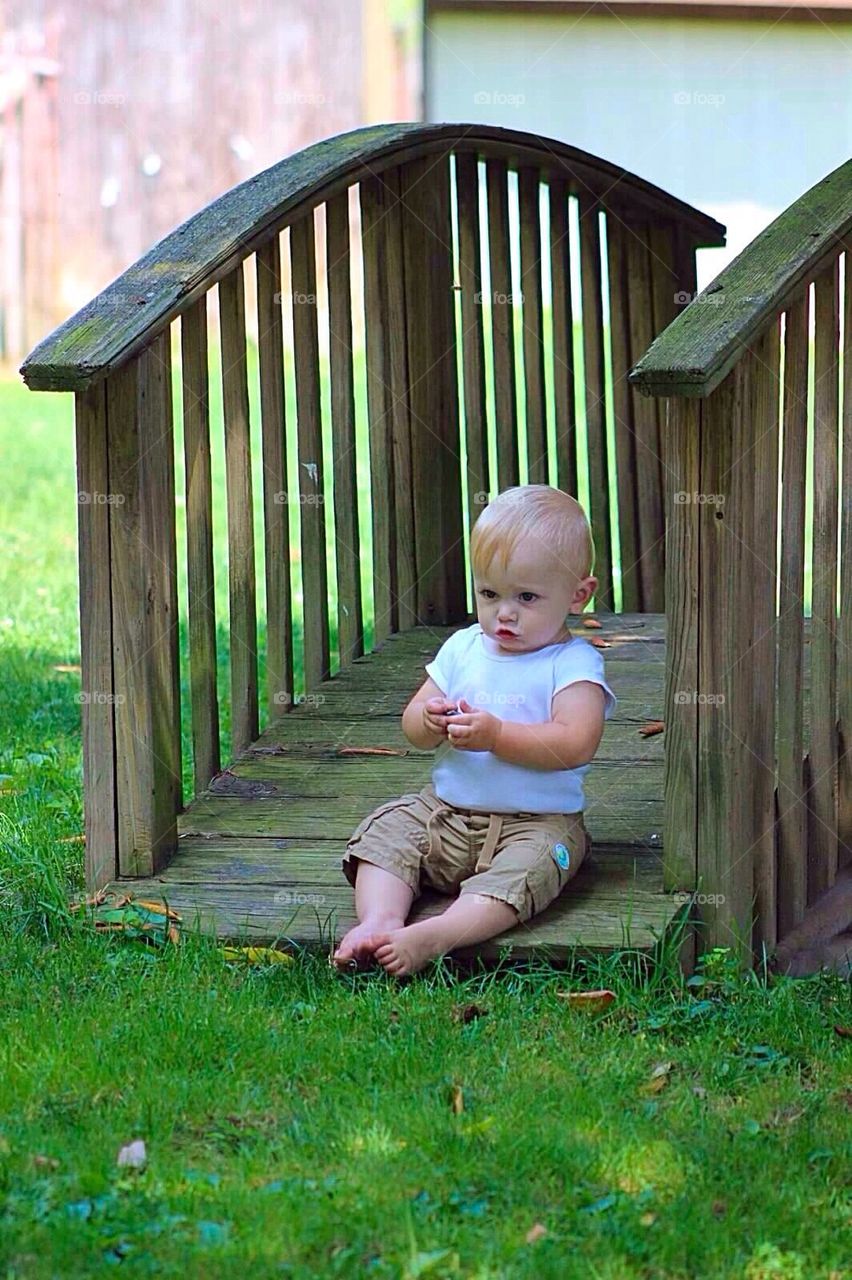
pixel 759 696
pixel 434 205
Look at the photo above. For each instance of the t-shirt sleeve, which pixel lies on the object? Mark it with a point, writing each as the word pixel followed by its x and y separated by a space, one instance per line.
pixel 442 666
pixel 582 661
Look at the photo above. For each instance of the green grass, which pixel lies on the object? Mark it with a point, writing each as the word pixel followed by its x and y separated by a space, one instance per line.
pixel 301 1123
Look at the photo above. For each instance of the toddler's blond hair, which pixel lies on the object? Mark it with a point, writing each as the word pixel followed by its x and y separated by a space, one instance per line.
pixel 541 513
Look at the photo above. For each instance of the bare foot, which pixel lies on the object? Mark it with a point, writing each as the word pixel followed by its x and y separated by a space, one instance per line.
pixel 405 950
pixel 358 946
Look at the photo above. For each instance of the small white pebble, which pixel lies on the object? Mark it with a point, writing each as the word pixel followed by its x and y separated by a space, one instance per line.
pixel 133 1155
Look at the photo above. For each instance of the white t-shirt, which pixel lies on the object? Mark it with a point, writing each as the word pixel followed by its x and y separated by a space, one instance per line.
pixel 513 686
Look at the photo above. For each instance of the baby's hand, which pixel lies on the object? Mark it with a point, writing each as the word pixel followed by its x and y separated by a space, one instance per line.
pixel 435 715
pixel 473 730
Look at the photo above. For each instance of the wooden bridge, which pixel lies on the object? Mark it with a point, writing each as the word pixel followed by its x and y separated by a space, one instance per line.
pixel 455 410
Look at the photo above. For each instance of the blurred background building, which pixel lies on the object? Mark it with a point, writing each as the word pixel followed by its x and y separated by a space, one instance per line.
pixel 737 108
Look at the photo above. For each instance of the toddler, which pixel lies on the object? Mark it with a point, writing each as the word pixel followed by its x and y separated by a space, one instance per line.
pixel 517 706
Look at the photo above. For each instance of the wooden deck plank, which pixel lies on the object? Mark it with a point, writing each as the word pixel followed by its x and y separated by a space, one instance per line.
pixel 609 907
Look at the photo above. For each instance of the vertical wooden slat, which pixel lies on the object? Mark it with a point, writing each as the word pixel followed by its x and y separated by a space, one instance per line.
pixel 531 291
pixel 822 799
pixel 664 289
pixel 502 325
pixel 762 463
pixel 143 562
pixel 96 638
pixel 473 348
pixel 844 626
pixel 158 435
pixel 241 568
pixel 403 536
pixel 382 485
pixel 433 384
pixel 725 814
pixel 279 607
pixel 350 622
pixel 623 397
pixel 563 340
pixel 593 353
pixel 680 832
pixel 791 815
pixel 199 545
pixel 311 478
pixel 650 506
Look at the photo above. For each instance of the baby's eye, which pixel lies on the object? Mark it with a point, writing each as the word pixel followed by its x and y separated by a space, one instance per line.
pixel 529 593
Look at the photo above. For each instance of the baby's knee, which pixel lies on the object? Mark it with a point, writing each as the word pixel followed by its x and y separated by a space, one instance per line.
pixel 529 875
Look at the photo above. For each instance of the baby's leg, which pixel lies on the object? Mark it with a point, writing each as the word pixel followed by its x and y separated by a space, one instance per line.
pixel 471 918
pixel 382 902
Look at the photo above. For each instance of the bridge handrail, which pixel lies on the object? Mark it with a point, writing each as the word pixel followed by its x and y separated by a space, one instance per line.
pixel 703 343
pixel 133 309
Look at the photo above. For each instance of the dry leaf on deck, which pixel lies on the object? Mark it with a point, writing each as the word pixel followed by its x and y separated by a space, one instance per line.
pixel 651 727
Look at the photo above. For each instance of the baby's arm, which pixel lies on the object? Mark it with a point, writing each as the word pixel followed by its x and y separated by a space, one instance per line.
pixel 567 741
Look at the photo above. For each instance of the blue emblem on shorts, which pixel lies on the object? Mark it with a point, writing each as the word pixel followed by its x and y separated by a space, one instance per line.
pixel 561 855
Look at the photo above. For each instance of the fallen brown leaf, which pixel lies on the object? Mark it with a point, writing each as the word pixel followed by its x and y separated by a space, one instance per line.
pixel 658 1079
pixel 45 1162
pixel 467 1012
pixel 589 1001
pixel 535 1233
pixel 457 1102
pixel 784 1115
pixel 652 727
pixel 843 1031
pixel 719 1208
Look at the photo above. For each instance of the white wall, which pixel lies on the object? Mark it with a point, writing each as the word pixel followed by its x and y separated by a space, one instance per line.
pixel 737 118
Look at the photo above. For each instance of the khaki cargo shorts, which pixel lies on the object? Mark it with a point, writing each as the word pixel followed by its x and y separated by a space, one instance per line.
pixel 525 859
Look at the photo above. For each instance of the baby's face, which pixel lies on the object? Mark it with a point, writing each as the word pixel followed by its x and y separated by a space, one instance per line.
pixel 530 601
